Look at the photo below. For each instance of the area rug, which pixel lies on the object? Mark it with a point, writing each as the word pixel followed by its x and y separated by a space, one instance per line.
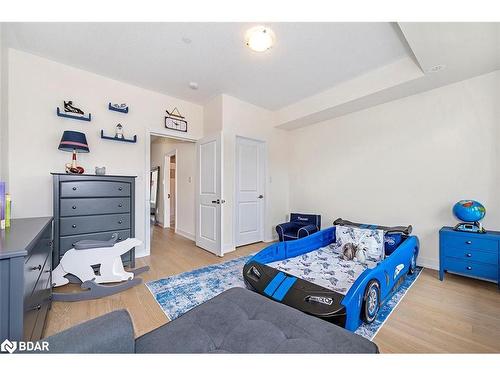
pixel 180 293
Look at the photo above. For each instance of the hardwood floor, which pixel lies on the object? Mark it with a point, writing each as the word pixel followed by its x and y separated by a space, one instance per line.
pixel 458 315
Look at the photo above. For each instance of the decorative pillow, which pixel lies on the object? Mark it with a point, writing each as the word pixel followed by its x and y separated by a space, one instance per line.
pixel 392 241
pixel 371 240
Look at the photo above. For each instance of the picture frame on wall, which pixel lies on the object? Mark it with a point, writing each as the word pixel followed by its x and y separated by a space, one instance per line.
pixel 175 121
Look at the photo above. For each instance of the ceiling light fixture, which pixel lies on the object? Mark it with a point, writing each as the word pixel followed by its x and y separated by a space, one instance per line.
pixel 259 38
pixel 193 85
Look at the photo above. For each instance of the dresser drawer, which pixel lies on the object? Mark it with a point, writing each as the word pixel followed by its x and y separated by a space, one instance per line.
pixel 89 224
pixel 75 189
pixel 35 262
pixel 69 241
pixel 35 305
pixel 94 206
pixel 472 255
pixel 35 310
pixel 469 268
pixel 469 242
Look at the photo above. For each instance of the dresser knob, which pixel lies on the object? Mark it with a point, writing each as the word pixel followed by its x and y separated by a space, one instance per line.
pixel 119 221
pixel 73 226
pixel 37 268
pixel 468 255
pixel 73 244
pixel 468 242
pixel 469 268
pixel 120 205
pixel 37 307
pixel 74 187
pixel 74 207
pixel 120 188
pixel 119 238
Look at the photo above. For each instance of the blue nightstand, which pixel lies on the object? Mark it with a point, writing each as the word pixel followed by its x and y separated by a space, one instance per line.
pixel 469 254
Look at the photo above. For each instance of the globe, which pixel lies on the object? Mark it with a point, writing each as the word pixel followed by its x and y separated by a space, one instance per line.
pixel 469 211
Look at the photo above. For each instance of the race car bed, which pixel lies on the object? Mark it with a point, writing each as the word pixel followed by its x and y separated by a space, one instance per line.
pixel 313 275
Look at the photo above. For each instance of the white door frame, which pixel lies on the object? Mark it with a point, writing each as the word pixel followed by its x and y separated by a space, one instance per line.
pixel 166 189
pixel 147 184
pixel 264 209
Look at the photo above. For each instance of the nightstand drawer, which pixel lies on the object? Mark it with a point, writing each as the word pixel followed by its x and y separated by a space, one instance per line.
pixel 472 255
pixel 90 224
pixel 469 242
pixel 468 268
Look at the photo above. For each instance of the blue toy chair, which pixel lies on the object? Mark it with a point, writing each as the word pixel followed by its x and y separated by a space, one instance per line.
pixel 300 225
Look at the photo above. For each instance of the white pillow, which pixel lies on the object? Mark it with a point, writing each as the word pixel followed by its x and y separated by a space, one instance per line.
pixel 371 240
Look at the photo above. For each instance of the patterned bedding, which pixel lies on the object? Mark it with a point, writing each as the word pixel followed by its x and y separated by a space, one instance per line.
pixel 324 267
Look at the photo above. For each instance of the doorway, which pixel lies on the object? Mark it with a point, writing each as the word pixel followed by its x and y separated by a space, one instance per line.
pixel 170 191
pixel 250 197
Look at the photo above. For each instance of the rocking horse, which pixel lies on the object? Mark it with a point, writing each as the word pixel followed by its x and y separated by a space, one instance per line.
pixel 76 266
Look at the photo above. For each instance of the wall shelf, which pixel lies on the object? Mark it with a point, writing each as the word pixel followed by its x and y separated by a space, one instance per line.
pixel 132 140
pixel 111 108
pixel 74 117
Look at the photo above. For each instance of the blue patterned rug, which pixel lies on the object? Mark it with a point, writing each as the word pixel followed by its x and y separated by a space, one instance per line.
pixel 180 293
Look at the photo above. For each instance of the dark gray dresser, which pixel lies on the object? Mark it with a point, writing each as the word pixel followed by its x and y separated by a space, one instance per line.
pixel 25 278
pixel 92 207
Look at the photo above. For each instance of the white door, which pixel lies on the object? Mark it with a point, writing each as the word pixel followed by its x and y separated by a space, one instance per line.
pixel 250 185
pixel 209 194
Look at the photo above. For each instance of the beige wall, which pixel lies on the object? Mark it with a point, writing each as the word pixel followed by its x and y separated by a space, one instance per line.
pixel 36 87
pixel 404 162
pixel 185 175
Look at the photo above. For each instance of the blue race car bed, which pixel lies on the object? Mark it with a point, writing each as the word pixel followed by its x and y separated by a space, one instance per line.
pixel 311 274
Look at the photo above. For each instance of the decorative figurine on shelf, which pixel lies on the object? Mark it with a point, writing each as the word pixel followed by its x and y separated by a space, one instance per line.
pixel 119 107
pixel 69 107
pixel 100 171
pixel 74 142
pixel 119 132
pixel 470 213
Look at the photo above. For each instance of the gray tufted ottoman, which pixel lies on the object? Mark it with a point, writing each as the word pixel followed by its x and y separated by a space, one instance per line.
pixel 236 321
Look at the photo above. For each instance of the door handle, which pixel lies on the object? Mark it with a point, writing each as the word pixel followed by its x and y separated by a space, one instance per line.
pixel 168 196
pixel 217 201
pixel 260 196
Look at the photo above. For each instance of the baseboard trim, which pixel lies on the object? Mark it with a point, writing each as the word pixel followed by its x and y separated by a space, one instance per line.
pixel 189 236
pixel 428 263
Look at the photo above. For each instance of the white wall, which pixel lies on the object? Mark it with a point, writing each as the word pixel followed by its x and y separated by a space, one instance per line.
pixel 36 87
pixel 3 107
pixel 404 162
pixel 247 120
pixel 185 175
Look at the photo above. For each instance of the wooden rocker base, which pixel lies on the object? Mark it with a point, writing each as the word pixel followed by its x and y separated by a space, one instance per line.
pixel 92 290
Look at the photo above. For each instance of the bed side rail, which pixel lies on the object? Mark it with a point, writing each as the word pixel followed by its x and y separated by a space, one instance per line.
pixel 387 273
pixel 283 250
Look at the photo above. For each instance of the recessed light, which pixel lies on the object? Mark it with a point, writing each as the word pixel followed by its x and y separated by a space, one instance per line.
pixel 193 85
pixel 259 38
pixel 436 68
pixel 186 40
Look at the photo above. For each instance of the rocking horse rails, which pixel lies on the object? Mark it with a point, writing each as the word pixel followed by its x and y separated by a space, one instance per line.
pixel 76 266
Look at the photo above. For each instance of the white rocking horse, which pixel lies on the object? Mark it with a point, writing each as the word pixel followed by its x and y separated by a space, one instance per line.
pixel 76 267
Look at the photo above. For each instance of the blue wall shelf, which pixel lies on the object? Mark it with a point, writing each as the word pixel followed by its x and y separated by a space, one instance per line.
pixel 111 108
pixel 74 117
pixel 133 140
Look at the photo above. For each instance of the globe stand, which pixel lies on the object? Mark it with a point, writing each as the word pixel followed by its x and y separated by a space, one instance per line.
pixel 475 227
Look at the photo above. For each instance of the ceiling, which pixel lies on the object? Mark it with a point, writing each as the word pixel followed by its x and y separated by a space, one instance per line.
pixel 307 58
